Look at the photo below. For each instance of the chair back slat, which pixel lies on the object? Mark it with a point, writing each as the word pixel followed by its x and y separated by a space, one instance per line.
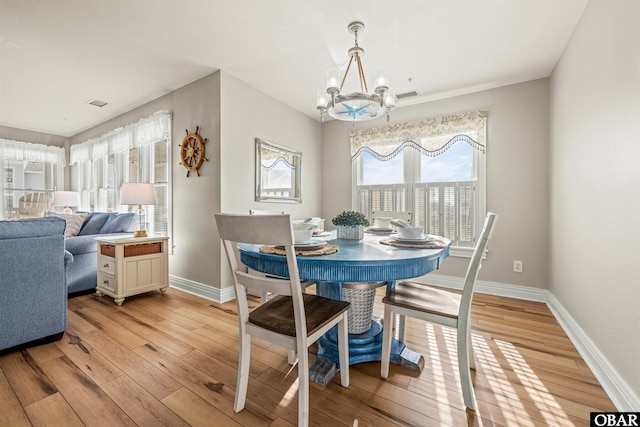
pixel 275 286
pixel 405 216
pixel 256 229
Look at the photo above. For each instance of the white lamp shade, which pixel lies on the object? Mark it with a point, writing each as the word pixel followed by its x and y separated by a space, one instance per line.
pixel 134 193
pixel 66 198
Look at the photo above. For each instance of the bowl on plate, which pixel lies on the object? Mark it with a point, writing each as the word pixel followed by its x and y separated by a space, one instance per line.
pixel 409 232
pixel 302 232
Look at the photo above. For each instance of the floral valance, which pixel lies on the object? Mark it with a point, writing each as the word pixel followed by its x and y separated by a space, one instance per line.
pixel 431 137
pixel 30 152
pixel 146 131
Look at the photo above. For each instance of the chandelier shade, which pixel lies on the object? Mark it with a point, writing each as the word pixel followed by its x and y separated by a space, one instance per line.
pixel 360 105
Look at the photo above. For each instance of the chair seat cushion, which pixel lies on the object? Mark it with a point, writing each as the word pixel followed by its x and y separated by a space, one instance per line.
pixel 425 298
pixel 277 314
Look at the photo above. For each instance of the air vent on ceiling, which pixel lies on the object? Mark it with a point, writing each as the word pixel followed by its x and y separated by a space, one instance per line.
pixel 406 95
pixel 97 103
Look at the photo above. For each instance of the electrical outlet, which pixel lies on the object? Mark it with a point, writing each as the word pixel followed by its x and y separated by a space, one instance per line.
pixel 517 266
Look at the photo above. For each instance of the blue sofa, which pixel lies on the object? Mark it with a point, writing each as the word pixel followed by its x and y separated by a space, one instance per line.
pixel 33 289
pixel 82 274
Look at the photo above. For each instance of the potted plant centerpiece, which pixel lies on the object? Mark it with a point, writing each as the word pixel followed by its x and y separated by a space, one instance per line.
pixel 350 225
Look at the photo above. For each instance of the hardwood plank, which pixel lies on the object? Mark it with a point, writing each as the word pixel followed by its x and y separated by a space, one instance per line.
pixel 13 414
pixel 24 374
pixel 52 411
pixel 211 389
pixel 195 410
pixel 110 327
pixel 152 379
pixel 141 406
pixel 42 353
pixel 87 399
pixel 91 362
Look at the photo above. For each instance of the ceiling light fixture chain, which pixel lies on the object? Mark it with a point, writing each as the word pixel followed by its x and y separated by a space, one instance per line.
pixel 356 106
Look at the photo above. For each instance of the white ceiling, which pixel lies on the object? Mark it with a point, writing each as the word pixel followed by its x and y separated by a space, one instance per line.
pixel 57 55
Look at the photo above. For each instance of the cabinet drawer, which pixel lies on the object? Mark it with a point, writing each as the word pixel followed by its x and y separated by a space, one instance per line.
pixel 108 282
pixel 107 265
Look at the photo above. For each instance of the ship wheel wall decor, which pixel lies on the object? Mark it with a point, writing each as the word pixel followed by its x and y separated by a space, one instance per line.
pixel 192 151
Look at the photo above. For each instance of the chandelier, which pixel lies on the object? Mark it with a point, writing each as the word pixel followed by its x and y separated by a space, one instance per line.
pixel 356 106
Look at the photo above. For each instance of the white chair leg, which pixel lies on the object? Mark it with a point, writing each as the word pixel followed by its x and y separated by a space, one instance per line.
pixel 343 349
pixel 401 327
pixel 242 382
pixel 303 389
pixel 465 372
pixel 472 359
pixel 292 357
pixel 387 328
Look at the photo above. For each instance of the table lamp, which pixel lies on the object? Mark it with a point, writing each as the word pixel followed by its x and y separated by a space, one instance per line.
pixel 134 193
pixel 66 199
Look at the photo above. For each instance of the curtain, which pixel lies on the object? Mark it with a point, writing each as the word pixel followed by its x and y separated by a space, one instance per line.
pixel 27 151
pixel 431 137
pixel 142 133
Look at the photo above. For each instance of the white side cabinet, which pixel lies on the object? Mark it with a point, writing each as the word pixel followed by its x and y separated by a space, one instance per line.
pixel 132 265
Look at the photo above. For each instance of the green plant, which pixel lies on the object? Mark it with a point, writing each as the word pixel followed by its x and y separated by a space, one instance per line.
pixel 350 219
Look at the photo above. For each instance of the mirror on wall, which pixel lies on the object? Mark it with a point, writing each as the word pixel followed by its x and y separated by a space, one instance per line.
pixel 278 173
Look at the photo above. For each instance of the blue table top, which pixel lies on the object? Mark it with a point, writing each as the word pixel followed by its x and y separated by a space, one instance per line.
pixel 365 260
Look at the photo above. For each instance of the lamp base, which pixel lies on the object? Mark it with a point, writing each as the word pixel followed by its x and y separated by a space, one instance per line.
pixel 140 233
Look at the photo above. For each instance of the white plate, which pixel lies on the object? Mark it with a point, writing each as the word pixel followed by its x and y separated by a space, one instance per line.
pixel 381 229
pixel 311 243
pixel 423 238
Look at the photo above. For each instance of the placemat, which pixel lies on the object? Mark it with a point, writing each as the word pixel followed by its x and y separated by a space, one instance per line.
pixel 428 244
pixel 279 250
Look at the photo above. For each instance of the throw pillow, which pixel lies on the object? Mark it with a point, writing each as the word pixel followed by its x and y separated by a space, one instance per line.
pixel 117 223
pixel 74 222
pixel 94 224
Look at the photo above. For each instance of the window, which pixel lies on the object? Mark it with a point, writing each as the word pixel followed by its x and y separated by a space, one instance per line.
pixel 30 174
pixel 136 153
pixel 433 168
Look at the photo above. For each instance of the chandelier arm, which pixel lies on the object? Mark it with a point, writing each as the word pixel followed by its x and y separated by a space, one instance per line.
pixel 346 73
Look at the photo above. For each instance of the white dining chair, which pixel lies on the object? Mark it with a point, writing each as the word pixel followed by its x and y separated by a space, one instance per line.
pixel 291 319
pixel 441 306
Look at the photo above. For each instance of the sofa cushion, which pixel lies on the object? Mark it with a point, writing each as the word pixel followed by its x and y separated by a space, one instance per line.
pixel 86 244
pixel 45 226
pixel 94 223
pixel 117 223
pixel 74 222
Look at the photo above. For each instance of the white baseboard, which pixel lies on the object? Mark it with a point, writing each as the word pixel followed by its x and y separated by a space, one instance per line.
pixel 205 291
pixel 613 384
pixel 622 396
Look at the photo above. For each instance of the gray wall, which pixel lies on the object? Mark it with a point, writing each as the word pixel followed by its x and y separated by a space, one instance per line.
pixel 594 252
pixel 247 114
pixel 196 254
pixel 517 175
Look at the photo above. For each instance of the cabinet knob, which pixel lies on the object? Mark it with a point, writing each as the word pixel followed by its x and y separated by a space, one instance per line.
pixel 106 265
pixel 106 282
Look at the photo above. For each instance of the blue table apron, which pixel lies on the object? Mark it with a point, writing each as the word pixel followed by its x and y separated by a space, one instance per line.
pixel 365 260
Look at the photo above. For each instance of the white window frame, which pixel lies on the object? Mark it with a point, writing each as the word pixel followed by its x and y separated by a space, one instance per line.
pixel 411 172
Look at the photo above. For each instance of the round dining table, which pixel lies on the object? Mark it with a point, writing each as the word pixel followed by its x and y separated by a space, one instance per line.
pixel 355 261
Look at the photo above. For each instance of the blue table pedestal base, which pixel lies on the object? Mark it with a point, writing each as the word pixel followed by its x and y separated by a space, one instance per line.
pixel 366 347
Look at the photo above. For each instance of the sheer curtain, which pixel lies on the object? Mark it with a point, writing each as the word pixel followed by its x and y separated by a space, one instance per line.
pixel 25 166
pixel 138 152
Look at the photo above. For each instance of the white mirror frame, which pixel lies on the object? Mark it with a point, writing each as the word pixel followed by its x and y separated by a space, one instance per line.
pixel 291 159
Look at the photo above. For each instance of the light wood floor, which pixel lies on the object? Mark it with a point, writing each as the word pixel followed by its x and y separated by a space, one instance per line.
pixel 171 360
